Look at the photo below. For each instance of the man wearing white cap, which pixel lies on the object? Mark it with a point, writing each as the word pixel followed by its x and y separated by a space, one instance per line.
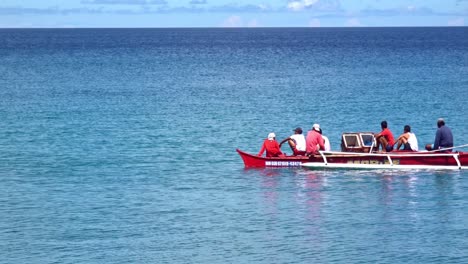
pixel 314 140
pixel 271 146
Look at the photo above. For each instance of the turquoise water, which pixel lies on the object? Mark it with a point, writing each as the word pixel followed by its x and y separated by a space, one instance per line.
pixel 118 145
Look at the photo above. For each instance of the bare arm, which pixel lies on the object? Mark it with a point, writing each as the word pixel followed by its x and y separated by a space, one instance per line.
pixel 404 136
pixel 284 140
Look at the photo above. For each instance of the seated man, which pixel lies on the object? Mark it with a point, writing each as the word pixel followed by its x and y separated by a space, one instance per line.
pixel 385 138
pixel 314 141
pixel 443 139
pixel 271 146
pixel 297 142
pixel 326 141
pixel 408 140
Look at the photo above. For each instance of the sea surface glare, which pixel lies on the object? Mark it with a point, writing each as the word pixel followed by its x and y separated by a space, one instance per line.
pixel 118 145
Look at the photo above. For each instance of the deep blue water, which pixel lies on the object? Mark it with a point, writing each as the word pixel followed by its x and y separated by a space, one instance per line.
pixel 118 145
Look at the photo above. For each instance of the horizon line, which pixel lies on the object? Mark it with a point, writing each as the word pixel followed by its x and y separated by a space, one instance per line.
pixel 264 27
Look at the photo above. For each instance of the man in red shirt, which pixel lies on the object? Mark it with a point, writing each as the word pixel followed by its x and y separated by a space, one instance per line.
pixel 271 146
pixel 385 138
pixel 314 140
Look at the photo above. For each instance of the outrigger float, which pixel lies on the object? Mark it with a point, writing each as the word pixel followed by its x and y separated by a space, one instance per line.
pixel 357 152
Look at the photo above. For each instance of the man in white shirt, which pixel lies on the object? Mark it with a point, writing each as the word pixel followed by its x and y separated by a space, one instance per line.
pixel 326 142
pixel 297 142
pixel 408 140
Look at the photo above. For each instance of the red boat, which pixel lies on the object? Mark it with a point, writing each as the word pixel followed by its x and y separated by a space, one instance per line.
pixel 357 153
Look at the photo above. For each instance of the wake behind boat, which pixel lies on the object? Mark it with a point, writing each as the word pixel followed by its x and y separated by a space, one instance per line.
pixel 357 153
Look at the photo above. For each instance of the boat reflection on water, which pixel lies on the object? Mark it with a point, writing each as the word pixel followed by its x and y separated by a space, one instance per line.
pixel 326 209
pixel 309 191
pixel 270 182
pixel 311 196
pixel 292 201
pixel 389 182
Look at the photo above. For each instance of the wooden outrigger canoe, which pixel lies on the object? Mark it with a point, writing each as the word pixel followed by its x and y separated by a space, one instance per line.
pixel 348 160
pixel 356 153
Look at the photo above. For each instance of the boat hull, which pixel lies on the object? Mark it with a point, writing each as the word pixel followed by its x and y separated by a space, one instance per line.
pixel 349 160
pixel 254 161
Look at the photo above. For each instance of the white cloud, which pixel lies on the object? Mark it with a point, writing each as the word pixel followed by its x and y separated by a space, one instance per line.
pixel 197 2
pixel 125 2
pixel 264 7
pixel 410 8
pixel 237 21
pixel 310 2
pixel 253 23
pixel 457 22
pixel 314 22
pixel 353 22
pixel 301 4
pixel 295 6
pixel 232 21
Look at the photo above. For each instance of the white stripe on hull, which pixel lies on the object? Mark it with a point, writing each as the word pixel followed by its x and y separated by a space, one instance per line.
pixel 322 165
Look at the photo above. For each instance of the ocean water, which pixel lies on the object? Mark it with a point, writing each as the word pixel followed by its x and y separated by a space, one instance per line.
pixel 118 145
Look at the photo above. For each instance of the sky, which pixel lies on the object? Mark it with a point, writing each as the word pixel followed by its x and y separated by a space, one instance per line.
pixel 231 13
